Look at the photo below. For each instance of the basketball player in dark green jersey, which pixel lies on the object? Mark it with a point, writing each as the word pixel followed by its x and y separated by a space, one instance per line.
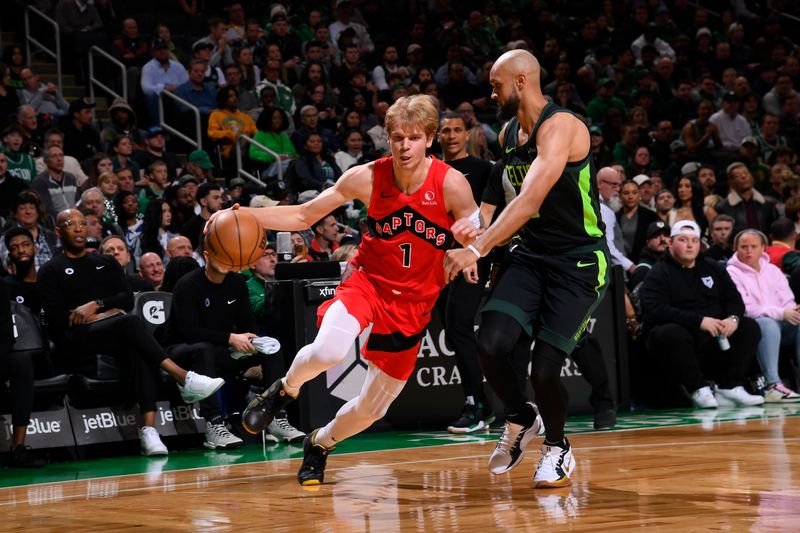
pixel 556 272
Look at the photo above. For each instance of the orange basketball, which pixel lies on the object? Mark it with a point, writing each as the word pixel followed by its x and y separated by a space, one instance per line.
pixel 236 240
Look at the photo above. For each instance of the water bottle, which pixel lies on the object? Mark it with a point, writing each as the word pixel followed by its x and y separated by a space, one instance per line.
pixel 284 245
pixel 723 343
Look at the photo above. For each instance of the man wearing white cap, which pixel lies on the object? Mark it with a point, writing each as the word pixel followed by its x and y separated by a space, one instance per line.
pixel 694 324
pixel 647 191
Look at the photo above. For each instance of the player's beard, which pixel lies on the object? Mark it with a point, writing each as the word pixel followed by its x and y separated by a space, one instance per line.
pixel 615 203
pixel 510 108
pixel 21 268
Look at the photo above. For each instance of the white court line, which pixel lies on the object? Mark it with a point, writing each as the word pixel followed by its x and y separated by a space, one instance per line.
pixel 176 486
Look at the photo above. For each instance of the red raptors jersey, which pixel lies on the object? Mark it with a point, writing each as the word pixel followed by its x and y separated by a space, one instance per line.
pixel 410 234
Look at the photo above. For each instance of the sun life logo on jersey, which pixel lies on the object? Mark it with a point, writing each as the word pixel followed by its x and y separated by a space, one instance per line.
pixel 430 198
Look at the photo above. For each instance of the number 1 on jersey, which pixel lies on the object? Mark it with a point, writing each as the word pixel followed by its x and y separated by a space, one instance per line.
pixel 406 247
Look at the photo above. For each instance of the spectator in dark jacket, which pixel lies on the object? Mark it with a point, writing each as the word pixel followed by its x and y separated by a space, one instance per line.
pixel 745 204
pixel 316 167
pixel 694 323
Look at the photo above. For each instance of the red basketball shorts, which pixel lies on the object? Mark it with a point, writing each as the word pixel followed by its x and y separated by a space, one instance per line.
pixel 397 323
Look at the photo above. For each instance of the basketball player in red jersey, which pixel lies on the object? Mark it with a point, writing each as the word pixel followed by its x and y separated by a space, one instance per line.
pixel 392 283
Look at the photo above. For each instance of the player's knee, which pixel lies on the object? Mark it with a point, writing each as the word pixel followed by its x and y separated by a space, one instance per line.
pixel 547 363
pixel 493 344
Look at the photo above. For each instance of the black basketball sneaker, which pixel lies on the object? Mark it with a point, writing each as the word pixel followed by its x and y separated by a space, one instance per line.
pixel 260 412
pixel 312 471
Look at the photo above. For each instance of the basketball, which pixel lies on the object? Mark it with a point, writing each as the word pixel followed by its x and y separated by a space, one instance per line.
pixel 235 240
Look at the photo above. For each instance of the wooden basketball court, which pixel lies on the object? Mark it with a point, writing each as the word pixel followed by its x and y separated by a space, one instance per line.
pixel 670 471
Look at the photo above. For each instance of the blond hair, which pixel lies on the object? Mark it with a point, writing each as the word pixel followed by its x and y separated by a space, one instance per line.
pixel 417 110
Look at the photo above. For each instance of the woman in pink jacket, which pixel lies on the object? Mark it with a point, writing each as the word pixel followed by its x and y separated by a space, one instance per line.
pixel 767 299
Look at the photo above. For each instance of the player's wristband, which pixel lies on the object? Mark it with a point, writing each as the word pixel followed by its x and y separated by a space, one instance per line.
pixel 474 251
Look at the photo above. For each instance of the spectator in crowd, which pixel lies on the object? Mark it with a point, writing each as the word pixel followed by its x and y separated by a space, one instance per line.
pixel 17 368
pixel 151 269
pixel 286 39
pixel 93 200
pixel 309 119
pixel 284 97
pixel 56 188
pixel 76 295
pixel 768 138
pixel 125 179
pixel 26 213
pixel 122 148
pixel 352 152
pixel 155 230
pixel 689 195
pixel 251 73
pixel 20 286
pixel 214 76
pixel 328 235
pixel 720 232
pixel 731 125
pixel 707 176
pixel 209 196
pixel 81 28
pixel 344 15
pixel 316 167
pixel 769 300
pixel 157 182
pixel 122 124
pixel 29 122
pixel 227 122
pixel 196 90
pixel 81 138
pixel 44 98
pixel 633 220
pixel 199 169
pixel 271 133
pixel 134 52
pixel 694 323
pixel 246 100
pixel 126 205
pixel 647 191
pixel 700 134
pixel 597 108
pixel 656 243
pixel 19 163
pixel 115 246
pixel 609 183
pixel 56 138
pixel 784 238
pixel 178 246
pixel 9 100
pixel 99 164
pixel 747 206
pixel 775 97
pixel 155 150
pixel 10 187
pixel 160 74
pixel 377 133
pixel 221 51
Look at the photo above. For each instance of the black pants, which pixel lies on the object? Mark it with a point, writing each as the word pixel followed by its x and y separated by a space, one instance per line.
pixel 588 355
pixel 692 359
pixel 128 339
pixel 210 360
pixel 463 300
pixel 17 367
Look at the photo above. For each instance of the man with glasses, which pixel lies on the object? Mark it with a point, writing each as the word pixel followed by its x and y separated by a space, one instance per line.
pixel 609 184
pixel 56 138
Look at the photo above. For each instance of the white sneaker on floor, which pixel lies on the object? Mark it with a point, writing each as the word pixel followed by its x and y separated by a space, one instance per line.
pixel 703 398
pixel 554 468
pixel 780 393
pixel 151 442
pixel 281 429
pixel 511 447
pixel 218 437
pixel 197 387
pixel 737 397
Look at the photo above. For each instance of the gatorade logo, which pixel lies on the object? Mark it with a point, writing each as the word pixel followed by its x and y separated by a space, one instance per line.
pixel 154 312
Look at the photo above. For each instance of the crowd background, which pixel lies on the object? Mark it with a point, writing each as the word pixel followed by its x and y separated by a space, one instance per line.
pixel 693 115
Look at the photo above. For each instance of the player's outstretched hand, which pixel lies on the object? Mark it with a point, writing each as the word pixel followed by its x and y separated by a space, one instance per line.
pixel 457 260
pixel 464 231
pixel 234 207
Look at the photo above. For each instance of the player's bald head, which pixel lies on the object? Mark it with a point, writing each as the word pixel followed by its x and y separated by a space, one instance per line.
pixel 66 214
pixel 515 63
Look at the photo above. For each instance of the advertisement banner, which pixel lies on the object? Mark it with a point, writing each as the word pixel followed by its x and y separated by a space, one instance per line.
pixel 47 429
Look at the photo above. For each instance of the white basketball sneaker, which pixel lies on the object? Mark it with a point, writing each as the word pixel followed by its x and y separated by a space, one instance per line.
pixel 511 447
pixel 555 467
pixel 151 442
pixel 737 397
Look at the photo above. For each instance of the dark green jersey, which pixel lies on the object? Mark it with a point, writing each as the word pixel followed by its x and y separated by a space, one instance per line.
pixel 570 214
